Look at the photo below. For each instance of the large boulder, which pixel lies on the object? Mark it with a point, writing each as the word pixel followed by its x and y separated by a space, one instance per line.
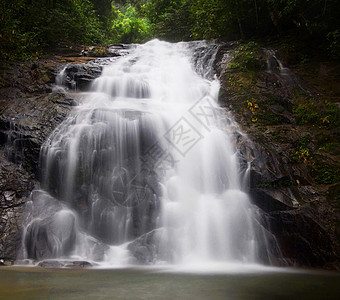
pixel 52 236
pixel 146 248
pixel 80 76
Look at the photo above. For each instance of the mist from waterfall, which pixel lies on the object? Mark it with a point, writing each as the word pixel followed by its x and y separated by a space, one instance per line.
pixel 145 170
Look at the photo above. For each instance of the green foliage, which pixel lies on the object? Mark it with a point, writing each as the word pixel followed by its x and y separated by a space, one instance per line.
pixel 306 114
pixel 245 58
pixel 27 27
pixel 106 15
pixel 209 18
pixel 14 41
pixel 77 22
pixel 318 112
pixel 267 117
pixel 302 152
pixel 128 27
pixel 99 51
pixel 328 143
pixel 333 38
pixel 282 182
pixel 315 22
pixel 325 173
pixel 171 19
pixel 331 115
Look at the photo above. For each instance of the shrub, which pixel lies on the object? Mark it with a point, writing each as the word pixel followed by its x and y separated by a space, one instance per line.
pixel 245 58
pixel 325 173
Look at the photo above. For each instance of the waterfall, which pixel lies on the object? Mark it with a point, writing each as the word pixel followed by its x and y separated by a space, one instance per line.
pixel 145 169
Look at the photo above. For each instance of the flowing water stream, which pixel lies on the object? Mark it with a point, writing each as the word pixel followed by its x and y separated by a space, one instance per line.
pixel 145 170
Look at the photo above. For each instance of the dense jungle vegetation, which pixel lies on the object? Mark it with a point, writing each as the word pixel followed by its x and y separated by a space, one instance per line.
pixel 28 28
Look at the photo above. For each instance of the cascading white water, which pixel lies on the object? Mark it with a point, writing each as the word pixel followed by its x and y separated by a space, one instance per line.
pixel 145 169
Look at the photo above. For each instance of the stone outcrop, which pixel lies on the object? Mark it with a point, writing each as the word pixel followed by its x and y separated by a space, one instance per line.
pixel 79 76
pixel 49 225
pixel 25 123
pixel 145 249
pixel 56 264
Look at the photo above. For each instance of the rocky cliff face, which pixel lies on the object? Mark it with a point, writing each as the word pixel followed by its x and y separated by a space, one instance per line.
pixel 30 108
pixel 289 154
pixel 292 146
pixel 29 111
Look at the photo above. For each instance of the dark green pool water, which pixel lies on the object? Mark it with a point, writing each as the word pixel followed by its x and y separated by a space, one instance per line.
pixel 38 283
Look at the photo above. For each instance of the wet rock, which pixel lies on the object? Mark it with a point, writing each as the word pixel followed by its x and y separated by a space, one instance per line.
pixel 10 228
pixel 119 49
pixel 24 79
pixel 303 241
pixel 52 233
pixel 298 228
pixel 26 123
pixel 51 264
pixel 80 76
pixel 293 205
pixel 64 264
pixel 113 50
pixel 51 237
pixel 15 185
pixel 98 249
pixel 6 262
pixel 268 200
pixel 145 249
pixel 79 264
pixel 283 192
pixel 28 114
pixel 67 49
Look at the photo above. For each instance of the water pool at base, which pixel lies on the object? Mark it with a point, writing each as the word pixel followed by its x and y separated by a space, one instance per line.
pixel 149 283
